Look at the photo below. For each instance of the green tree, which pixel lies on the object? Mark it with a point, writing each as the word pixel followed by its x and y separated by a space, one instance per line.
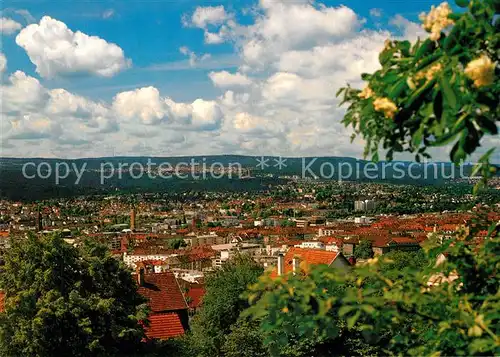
pixel 396 261
pixel 65 301
pixel 364 249
pixel 244 340
pixel 437 91
pixel 222 304
pixel 176 243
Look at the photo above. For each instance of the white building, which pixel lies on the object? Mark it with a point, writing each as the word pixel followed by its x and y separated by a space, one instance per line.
pixel 130 260
pixel 325 232
pixel 332 248
pixel 227 251
pixel 362 220
pixel 311 245
pixel 192 276
pixel 366 205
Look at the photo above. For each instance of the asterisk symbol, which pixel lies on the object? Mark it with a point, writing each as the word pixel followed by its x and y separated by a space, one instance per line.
pixel 262 162
pixel 280 162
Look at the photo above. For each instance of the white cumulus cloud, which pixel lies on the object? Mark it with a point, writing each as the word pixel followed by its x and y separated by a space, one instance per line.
pixel 148 107
pixel 209 15
pixel 3 63
pixel 9 26
pixel 288 26
pixel 143 103
pixel 31 111
pixel 56 50
pixel 225 79
pixel 293 57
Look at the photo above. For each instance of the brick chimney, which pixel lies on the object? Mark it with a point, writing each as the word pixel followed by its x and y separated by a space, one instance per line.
pixel 140 276
pixel 296 265
pixel 281 264
pixel 132 219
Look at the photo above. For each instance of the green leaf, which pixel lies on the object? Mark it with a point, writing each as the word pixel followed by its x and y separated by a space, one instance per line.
pixel 458 153
pixel 368 309
pixel 471 141
pixel 390 77
pixel 389 156
pixel 462 3
pixel 345 309
pixel 405 47
pixel 420 93
pixel 492 228
pixel 449 94
pixel 385 56
pixel 397 89
pixel 486 157
pixel 426 47
pixel 351 321
pixel 487 125
pixel 428 61
pixel 418 135
pixel 452 39
pixel 438 105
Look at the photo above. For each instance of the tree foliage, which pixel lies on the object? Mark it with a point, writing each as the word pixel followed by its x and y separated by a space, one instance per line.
pixel 222 304
pixel 244 340
pixel 395 313
pixel 436 91
pixel 176 243
pixel 364 249
pixel 65 301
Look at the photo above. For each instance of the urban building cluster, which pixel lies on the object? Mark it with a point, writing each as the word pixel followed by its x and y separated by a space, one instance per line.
pixel 170 243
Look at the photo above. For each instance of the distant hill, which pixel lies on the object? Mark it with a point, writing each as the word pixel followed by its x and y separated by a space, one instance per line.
pixel 95 175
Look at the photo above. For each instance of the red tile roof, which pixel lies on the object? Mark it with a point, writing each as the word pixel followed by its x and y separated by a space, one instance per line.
pixel 195 294
pixel 403 240
pixel 163 292
pixel 164 326
pixel 310 256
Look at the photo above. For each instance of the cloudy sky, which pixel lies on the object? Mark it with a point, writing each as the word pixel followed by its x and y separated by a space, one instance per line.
pixel 165 77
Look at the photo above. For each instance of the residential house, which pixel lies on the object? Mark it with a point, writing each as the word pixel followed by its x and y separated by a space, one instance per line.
pixel 382 246
pixel 291 262
pixel 193 293
pixel 311 245
pixel 169 309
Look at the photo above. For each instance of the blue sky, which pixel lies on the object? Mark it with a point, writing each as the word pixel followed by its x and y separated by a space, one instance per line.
pixel 151 33
pixel 188 77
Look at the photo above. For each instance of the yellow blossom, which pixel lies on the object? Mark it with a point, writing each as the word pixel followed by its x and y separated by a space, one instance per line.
pixel 366 93
pixel 475 331
pixel 437 20
pixel 420 75
pixel 385 106
pixel 429 75
pixel 304 267
pixel 285 309
pixel 387 45
pixel 481 71
pixel 372 261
